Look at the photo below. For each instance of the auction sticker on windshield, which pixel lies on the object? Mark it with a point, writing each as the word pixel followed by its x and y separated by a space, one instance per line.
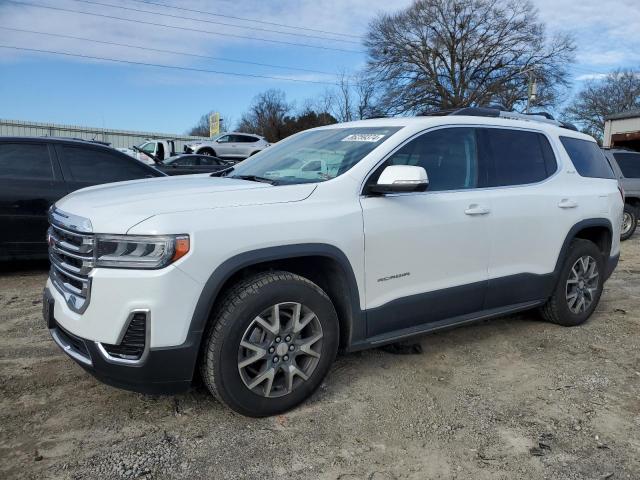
pixel 362 137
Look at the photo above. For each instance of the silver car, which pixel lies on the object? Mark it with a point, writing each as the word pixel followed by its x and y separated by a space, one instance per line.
pixel 626 165
pixel 230 145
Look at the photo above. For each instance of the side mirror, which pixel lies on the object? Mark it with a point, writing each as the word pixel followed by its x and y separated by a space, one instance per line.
pixel 401 178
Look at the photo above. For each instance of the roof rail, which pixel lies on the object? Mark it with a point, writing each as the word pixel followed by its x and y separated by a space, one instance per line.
pixel 542 117
pixel 477 112
pixel 544 114
pixel 77 139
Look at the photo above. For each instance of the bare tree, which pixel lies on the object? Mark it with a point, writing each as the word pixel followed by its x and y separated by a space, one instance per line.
pixel 353 98
pixel 266 115
pixel 443 54
pixel 271 116
pixel 201 129
pixel 617 92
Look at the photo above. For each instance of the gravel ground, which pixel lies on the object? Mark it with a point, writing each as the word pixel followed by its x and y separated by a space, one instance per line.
pixel 503 399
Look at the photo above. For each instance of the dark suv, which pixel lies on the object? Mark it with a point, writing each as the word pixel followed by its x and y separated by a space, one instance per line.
pixel 35 172
pixel 626 165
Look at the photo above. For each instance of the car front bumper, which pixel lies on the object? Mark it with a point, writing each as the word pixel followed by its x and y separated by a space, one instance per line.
pixel 165 298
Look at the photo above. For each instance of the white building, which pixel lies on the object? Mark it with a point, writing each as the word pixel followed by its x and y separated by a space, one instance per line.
pixel 623 130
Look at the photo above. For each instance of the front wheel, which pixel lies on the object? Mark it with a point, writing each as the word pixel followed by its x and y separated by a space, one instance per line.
pixel 629 221
pixel 271 343
pixel 579 286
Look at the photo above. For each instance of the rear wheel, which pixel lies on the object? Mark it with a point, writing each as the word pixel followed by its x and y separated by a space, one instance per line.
pixel 271 343
pixel 629 221
pixel 207 151
pixel 579 286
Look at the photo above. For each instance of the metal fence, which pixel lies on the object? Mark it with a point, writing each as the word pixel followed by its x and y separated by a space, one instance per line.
pixel 117 138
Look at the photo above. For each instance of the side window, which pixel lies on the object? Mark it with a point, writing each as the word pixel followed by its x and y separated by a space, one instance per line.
pixel 449 155
pixel 587 158
pixel 629 164
pixel 101 166
pixel 516 157
pixel 248 139
pixel 25 161
pixel 224 139
pixel 208 161
pixel 148 147
pixel 184 161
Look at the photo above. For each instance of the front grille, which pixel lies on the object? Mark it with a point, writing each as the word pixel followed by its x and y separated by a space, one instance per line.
pixel 71 256
pixel 133 342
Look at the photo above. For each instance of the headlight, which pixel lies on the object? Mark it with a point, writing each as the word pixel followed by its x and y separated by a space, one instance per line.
pixel 137 251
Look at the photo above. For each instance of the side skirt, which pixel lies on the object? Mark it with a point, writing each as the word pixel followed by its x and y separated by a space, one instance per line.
pixel 445 324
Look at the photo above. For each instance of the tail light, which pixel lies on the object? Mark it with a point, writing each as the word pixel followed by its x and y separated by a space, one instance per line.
pixel 621 190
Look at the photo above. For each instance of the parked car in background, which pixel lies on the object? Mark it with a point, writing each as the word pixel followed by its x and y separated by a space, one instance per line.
pixel 151 151
pixel 626 165
pixel 186 164
pixel 231 145
pixel 35 172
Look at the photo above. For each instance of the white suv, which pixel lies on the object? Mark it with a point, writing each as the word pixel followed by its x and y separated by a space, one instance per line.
pixel 231 145
pixel 258 277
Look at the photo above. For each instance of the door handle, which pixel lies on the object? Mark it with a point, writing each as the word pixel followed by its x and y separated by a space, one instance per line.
pixel 475 209
pixel 567 203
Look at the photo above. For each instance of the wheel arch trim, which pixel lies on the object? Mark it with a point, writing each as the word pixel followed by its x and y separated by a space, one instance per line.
pixel 213 286
pixel 581 225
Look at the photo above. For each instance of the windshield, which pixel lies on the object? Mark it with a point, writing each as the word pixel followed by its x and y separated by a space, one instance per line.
pixel 315 155
pixel 148 147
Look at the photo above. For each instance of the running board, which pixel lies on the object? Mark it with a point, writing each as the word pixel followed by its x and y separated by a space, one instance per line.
pixel 445 324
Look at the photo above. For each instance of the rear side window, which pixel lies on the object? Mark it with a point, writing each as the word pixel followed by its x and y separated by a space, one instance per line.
pixel 587 158
pixel 25 161
pixel 629 164
pixel 208 161
pixel 516 157
pixel 98 166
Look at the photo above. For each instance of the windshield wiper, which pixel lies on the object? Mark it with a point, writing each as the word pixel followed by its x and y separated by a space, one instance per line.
pixel 150 155
pixel 223 172
pixel 255 178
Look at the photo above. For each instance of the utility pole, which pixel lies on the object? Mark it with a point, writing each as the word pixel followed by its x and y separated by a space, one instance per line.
pixel 532 90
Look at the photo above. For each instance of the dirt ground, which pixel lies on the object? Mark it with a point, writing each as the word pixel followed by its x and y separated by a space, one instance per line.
pixel 512 398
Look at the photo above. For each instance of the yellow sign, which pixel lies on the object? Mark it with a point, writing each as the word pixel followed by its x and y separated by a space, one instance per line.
pixel 214 124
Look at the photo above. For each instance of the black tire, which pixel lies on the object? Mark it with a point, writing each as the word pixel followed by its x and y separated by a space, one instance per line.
pixel 207 151
pixel 557 309
pixel 235 316
pixel 631 214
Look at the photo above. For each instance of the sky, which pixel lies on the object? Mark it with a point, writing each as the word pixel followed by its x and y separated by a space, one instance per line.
pixel 303 42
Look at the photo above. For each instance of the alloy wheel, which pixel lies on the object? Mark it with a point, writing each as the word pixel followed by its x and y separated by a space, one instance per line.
pixel 280 349
pixel 627 222
pixel 582 284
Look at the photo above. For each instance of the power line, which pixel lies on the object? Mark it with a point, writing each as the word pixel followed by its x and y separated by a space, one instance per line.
pixel 164 25
pixel 182 17
pixel 159 65
pixel 247 19
pixel 173 52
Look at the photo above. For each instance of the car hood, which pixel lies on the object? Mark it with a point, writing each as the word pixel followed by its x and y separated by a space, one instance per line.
pixel 116 207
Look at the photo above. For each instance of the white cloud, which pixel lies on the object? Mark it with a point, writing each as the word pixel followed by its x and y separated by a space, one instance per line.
pixel 607 33
pixel 591 76
pixel 330 15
